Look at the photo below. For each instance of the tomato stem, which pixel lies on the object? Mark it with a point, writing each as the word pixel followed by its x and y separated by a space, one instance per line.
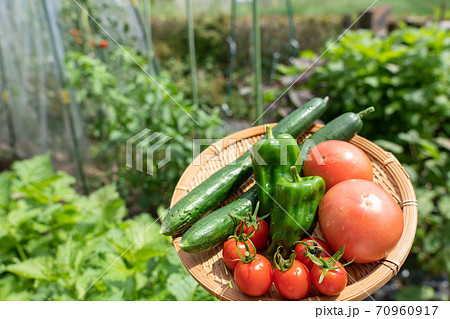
pixel 313 249
pixel 281 263
pixel 250 221
pixel 248 255
pixel 328 265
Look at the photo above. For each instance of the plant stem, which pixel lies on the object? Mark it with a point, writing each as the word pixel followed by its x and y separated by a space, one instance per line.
pixel 295 175
pixel 366 112
pixel 269 132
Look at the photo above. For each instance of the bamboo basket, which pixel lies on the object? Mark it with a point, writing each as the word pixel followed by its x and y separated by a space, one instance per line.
pixel 208 267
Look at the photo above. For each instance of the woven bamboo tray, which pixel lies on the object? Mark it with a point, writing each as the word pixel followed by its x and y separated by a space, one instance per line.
pixel 363 279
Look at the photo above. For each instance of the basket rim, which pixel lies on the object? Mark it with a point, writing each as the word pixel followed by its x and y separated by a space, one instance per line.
pixel 384 269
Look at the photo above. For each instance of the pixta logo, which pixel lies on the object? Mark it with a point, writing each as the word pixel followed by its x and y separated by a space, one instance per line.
pixel 143 146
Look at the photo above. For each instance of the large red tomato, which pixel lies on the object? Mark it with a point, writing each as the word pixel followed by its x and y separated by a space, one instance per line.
pixel 362 216
pixel 254 278
pixel 337 161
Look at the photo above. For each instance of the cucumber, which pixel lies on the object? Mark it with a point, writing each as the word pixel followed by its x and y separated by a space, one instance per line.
pixel 343 128
pixel 214 229
pixel 218 186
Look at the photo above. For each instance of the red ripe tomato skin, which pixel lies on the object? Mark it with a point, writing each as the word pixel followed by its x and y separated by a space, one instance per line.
pixel 254 278
pixel 334 281
pixel 261 235
pixel 300 252
pixel 294 283
pixel 337 161
pixel 230 254
pixel 362 216
pixel 103 44
pixel 73 32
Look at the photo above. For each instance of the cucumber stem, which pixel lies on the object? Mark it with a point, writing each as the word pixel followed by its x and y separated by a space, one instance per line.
pixel 366 111
pixel 269 133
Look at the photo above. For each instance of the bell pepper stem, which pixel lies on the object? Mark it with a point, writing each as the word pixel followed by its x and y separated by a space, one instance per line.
pixel 269 132
pixel 295 175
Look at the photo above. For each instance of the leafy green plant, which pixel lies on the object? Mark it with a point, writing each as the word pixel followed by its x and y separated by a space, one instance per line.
pixel 118 100
pixel 57 245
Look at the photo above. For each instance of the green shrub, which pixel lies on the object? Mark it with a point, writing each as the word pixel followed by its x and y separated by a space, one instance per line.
pixel 56 244
pixel 118 100
pixel 211 32
pixel 406 76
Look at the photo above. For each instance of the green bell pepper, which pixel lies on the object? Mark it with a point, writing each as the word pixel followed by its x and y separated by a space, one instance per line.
pixel 295 210
pixel 271 159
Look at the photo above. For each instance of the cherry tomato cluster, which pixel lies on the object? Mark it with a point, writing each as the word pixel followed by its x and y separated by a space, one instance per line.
pixel 309 264
pixel 78 37
pixel 102 43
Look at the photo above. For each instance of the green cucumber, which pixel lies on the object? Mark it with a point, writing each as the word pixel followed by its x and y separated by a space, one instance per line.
pixel 218 186
pixel 343 128
pixel 215 228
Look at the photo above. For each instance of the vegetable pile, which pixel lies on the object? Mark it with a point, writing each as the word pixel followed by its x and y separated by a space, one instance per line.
pixel 267 232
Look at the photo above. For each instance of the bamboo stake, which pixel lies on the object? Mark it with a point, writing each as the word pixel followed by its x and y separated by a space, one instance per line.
pixel 192 56
pixel 292 40
pixel 257 63
pixel 232 44
pixel 145 32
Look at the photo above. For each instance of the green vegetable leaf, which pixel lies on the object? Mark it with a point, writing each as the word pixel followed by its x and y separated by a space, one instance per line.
pixel 5 189
pixel 182 287
pixel 35 169
pixel 33 268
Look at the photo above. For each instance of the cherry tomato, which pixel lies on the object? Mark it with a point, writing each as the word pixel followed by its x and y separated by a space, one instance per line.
pixel 337 161
pixel 230 253
pixel 93 43
pixel 294 283
pixel 362 216
pixel 333 282
pixel 254 278
pixel 260 236
pixel 103 44
pixel 320 249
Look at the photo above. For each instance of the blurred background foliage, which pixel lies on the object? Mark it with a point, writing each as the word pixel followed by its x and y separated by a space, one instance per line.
pixel 56 243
